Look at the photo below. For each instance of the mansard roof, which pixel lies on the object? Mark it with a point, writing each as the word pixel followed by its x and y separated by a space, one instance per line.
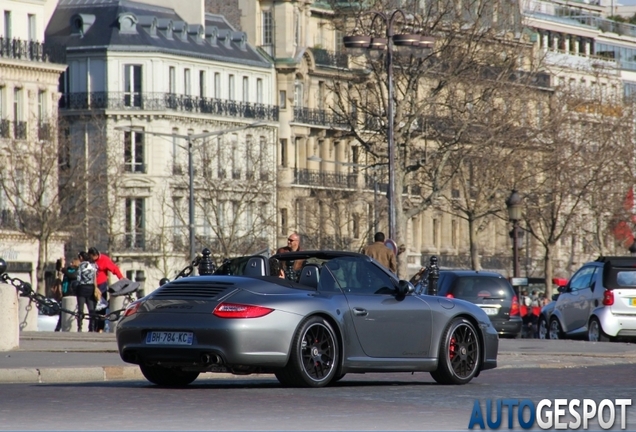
pixel 129 26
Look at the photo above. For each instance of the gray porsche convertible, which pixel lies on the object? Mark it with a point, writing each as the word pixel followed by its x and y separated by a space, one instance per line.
pixel 342 313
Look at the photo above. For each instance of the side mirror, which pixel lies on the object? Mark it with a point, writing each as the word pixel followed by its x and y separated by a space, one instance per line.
pixel 405 287
pixel 555 297
pixel 563 289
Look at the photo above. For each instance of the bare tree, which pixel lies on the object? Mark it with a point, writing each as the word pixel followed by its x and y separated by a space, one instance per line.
pixel 442 101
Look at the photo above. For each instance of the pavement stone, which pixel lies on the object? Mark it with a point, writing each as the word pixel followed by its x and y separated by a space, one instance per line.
pixel 57 357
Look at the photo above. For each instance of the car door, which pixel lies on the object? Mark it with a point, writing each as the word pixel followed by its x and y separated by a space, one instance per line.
pixel 387 325
pixel 578 294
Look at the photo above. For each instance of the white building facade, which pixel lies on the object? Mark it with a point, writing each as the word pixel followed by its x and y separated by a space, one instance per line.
pixel 140 80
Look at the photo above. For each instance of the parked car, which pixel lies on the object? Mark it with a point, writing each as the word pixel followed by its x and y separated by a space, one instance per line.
pixel 490 291
pixel 598 302
pixel 344 313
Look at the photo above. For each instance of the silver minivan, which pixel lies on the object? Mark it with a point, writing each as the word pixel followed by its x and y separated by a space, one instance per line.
pixel 599 302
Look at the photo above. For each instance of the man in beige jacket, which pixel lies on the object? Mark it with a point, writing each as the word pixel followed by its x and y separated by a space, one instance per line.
pixel 382 254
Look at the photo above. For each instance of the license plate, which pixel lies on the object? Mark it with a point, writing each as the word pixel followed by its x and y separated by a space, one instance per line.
pixel 490 311
pixel 169 338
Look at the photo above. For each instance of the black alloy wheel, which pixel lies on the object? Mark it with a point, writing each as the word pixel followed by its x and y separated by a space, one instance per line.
pixel 556 331
pixel 459 353
pixel 168 377
pixel 314 355
pixel 595 332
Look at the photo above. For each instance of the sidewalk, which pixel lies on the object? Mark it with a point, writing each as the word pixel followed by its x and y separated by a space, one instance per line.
pixel 49 357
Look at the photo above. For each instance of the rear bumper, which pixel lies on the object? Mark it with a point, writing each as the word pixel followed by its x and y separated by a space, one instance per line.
pixel 510 327
pixel 616 324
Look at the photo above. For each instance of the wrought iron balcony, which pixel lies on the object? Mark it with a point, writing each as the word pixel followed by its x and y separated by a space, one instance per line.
pixel 28 50
pixel 325 57
pixel 309 177
pixel 44 131
pixel 20 129
pixel 168 102
pixel 319 117
pixel 5 128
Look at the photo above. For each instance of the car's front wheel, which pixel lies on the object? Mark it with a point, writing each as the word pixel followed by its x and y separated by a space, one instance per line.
pixel 459 353
pixel 555 332
pixel 595 332
pixel 314 355
pixel 543 328
pixel 168 377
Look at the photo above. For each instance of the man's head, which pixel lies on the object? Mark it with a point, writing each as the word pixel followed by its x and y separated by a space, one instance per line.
pixel 293 242
pixel 379 237
pixel 93 253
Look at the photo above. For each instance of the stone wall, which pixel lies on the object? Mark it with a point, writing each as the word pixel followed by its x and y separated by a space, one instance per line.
pixel 228 8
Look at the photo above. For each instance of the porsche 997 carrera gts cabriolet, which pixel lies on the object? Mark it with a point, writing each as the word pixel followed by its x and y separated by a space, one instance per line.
pixel 342 313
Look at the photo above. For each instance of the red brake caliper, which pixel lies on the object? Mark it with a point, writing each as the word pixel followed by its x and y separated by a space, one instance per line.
pixel 451 348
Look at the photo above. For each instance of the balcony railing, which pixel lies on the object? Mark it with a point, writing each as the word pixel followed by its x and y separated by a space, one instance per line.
pixel 325 57
pixel 319 117
pixel 26 50
pixel 20 129
pixel 309 177
pixel 5 128
pixel 168 102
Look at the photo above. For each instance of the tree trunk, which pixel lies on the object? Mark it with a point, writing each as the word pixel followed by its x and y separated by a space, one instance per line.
pixel 41 265
pixel 547 265
pixel 475 262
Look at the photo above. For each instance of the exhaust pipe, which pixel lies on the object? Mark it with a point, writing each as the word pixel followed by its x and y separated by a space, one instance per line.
pixel 209 359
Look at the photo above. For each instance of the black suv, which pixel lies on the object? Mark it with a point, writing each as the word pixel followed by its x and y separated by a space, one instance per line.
pixel 488 290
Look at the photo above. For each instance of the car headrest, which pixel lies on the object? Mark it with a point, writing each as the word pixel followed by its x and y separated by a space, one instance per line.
pixel 310 275
pixel 255 267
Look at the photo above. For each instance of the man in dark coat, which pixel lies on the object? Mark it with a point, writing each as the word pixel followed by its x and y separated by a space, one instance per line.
pixel 382 254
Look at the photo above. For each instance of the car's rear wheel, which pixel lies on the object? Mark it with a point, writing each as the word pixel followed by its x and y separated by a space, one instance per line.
pixel 459 353
pixel 595 332
pixel 314 355
pixel 543 328
pixel 555 332
pixel 168 377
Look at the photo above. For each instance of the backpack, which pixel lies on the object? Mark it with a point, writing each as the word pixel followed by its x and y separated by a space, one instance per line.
pixel 69 282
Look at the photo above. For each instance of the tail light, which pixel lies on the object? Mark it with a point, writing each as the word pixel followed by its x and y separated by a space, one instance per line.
pixel 608 297
pixel 514 309
pixel 133 308
pixel 235 310
pixel 450 296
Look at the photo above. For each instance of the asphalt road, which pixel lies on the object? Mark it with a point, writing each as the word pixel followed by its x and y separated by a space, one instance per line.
pixel 358 402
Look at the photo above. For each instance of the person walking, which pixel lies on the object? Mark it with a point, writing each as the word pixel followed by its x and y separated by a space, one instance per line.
pixel 85 291
pixel 379 252
pixel 105 265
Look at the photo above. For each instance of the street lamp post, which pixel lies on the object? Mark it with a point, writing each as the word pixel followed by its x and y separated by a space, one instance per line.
pixel 513 204
pixel 190 139
pixel 372 44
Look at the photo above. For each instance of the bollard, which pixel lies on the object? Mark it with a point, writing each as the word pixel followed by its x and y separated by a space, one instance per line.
pixel 433 276
pixel 28 315
pixel 116 303
pixel 69 322
pixel 9 318
pixel 206 266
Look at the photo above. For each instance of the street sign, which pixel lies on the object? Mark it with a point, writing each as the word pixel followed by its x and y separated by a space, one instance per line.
pixel 519 281
pixel 391 245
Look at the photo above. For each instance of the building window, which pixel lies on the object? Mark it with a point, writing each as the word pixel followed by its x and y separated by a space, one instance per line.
pixel 172 80
pixel 262 156
pixel 267 28
pixel 41 106
pixel 321 95
pixel 246 89
pixel 186 82
pixel 32 28
pixel 298 94
pixel 454 233
pixel 283 152
pixel 217 85
pixel 297 28
pixel 231 87
pixel 132 85
pixel 259 91
pixel 7 25
pixel 356 226
pixel 435 232
pixel 284 222
pixel 235 158
pixel 134 152
pixel 282 99
pixel 202 84
pixel 135 223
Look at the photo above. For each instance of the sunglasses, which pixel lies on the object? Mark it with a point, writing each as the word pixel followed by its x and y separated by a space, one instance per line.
pixel 291 240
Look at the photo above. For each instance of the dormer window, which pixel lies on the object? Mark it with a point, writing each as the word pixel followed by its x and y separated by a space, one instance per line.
pixel 240 39
pixel 181 30
pixel 211 34
pixel 127 23
pixel 165 26
pixel 80 23
pixel 149 23
pixel 197 32
pixel 225 38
